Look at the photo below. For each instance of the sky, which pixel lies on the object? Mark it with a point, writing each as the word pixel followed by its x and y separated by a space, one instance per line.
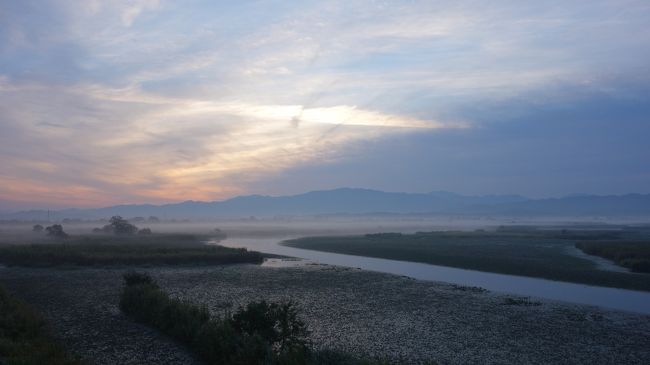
pixel 157 101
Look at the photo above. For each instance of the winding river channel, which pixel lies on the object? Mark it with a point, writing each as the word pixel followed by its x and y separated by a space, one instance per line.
pixel 622 299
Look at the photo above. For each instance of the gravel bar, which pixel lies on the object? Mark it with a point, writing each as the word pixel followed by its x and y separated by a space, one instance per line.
pixel 374 314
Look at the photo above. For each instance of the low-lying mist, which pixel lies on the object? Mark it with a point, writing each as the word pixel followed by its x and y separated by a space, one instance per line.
pixel 23 232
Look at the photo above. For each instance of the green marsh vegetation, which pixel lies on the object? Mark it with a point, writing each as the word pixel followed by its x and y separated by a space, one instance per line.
pixel 525 251
pixel 634 255
pixel 25 338
pixel 102 250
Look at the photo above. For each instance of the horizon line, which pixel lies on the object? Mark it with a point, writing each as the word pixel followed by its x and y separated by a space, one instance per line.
pixel 570 195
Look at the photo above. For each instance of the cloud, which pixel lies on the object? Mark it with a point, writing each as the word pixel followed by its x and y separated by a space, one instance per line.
pixel 141 147
pixel 134 8
pixel 154 101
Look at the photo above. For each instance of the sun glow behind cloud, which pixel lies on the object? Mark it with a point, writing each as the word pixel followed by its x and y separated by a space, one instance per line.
pixel 156 101
pixel 169 149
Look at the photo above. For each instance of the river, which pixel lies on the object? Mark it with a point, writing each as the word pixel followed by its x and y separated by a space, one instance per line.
pixel 621 299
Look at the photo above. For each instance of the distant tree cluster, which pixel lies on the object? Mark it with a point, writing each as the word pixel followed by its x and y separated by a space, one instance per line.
pixel 120 226
pixel 56 231
pixel 53 231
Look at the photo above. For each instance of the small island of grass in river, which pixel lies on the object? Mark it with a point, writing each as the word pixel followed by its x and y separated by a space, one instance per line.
pixel 525 252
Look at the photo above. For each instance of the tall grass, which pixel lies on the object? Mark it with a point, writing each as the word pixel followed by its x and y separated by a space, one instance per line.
pixel 139 250
pixel 634 255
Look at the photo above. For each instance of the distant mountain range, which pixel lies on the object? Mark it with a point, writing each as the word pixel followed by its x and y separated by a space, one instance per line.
pixel 365 201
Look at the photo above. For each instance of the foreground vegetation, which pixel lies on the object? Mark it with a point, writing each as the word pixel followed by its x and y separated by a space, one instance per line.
pixel 635 255
pixel 521 251
pixel 116 250
pixel 260 333
pixel 25 338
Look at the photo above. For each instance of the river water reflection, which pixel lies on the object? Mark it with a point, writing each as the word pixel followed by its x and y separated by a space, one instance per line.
pixel 622 299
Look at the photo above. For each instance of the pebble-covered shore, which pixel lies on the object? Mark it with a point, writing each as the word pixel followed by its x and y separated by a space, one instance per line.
pixel 352 310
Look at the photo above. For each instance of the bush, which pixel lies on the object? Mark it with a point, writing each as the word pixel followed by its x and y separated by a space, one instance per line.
pixel 278 324
pixel 259 333
pixel 25 338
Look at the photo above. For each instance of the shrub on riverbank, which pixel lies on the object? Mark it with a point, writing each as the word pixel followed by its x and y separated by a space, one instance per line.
pixel 260 333
pixel 25 338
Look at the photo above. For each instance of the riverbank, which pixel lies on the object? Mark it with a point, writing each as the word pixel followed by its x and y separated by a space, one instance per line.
pixel 529 253
pixel 351 310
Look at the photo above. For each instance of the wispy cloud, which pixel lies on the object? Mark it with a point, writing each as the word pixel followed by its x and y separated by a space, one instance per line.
pixel 144 147
pixel 153 100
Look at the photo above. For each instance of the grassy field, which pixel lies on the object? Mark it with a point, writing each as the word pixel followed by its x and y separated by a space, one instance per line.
pixel 525 252
pixel 635 255
pixel 116 250
pixel 24 337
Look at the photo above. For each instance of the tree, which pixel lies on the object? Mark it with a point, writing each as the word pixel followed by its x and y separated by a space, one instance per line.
pixel 37 228
pixel 276 323
pixel 121 226
pixel 144 231
pixel 56 231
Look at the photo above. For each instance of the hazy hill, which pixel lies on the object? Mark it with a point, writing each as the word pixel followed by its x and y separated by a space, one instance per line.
pixel 362 201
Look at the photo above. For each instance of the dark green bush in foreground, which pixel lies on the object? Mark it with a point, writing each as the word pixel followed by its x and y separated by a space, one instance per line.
pixel 260 333
pixel 25 338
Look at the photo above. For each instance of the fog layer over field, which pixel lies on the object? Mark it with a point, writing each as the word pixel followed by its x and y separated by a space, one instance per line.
pixel 16 232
